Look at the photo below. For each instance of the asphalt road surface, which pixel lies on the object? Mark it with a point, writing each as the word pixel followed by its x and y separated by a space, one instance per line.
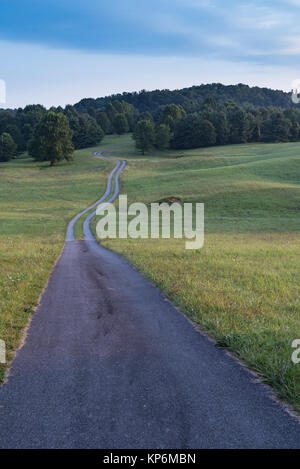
pixel 110 363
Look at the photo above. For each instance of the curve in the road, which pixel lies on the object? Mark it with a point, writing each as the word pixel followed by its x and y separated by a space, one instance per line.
pixel 88 236
pixel 116 170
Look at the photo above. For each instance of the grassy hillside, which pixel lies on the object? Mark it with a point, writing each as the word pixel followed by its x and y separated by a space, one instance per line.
pixel 36 204
pixel 243 287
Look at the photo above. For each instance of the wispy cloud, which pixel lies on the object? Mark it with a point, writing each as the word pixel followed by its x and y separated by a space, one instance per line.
pixel 293 2
pixel 231 30
pixel 251 16
pixel 292 46
pixel 34 77
pixel 49 44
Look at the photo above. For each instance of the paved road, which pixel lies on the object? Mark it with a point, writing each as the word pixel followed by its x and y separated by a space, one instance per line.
pixel 109 363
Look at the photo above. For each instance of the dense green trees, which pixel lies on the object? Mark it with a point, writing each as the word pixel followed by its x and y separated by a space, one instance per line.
pixel 220 124
pixel 104 122
pixel 198 116
pixel 120 124
pixel 8 147
pixel 193 132
pixel 147 135
pixel 191 99
pixel 145 116
pixel 163 137
pixel 20 124
pixel 207 133
pixel 278 128
pixel 171 115
pixel 86 127
pixel 52 139
pixel 86 131
pixel 232 124
pixel 9 124
pixel 28 118
pixel 121 115
pixel 144 135
pixel 238 129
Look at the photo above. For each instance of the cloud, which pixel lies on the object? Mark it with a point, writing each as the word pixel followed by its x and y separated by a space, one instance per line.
pixel 46 45
pixel 294 2
pixel 195 3
pixel 33 78
pixel 232 30
pixel 259 17
pixel 292 46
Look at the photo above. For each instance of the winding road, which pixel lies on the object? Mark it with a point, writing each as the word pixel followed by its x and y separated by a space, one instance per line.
pixel 109 363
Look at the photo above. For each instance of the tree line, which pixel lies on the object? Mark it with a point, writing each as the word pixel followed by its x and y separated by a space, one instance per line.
pixel 216 124
pixel 60 130
pixel 197 122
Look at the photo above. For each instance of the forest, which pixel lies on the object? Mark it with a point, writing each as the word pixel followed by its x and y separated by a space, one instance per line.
pixel 199 116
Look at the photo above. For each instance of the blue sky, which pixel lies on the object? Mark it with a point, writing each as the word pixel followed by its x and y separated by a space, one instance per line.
pixel 56 52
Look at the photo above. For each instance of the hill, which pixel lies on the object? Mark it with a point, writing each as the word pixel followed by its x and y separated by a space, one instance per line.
pixel 191 98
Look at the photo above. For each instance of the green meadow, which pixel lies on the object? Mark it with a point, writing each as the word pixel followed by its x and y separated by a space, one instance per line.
pixel 242 288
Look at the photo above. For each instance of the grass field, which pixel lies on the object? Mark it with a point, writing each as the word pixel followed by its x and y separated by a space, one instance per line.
pixel 36 204
pixel 243 287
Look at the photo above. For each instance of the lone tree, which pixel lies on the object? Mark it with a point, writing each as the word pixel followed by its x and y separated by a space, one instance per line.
pixel 8 147
pixel 52 139
pixel 144 135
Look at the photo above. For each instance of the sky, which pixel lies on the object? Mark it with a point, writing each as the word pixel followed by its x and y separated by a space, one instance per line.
pixel 56 52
